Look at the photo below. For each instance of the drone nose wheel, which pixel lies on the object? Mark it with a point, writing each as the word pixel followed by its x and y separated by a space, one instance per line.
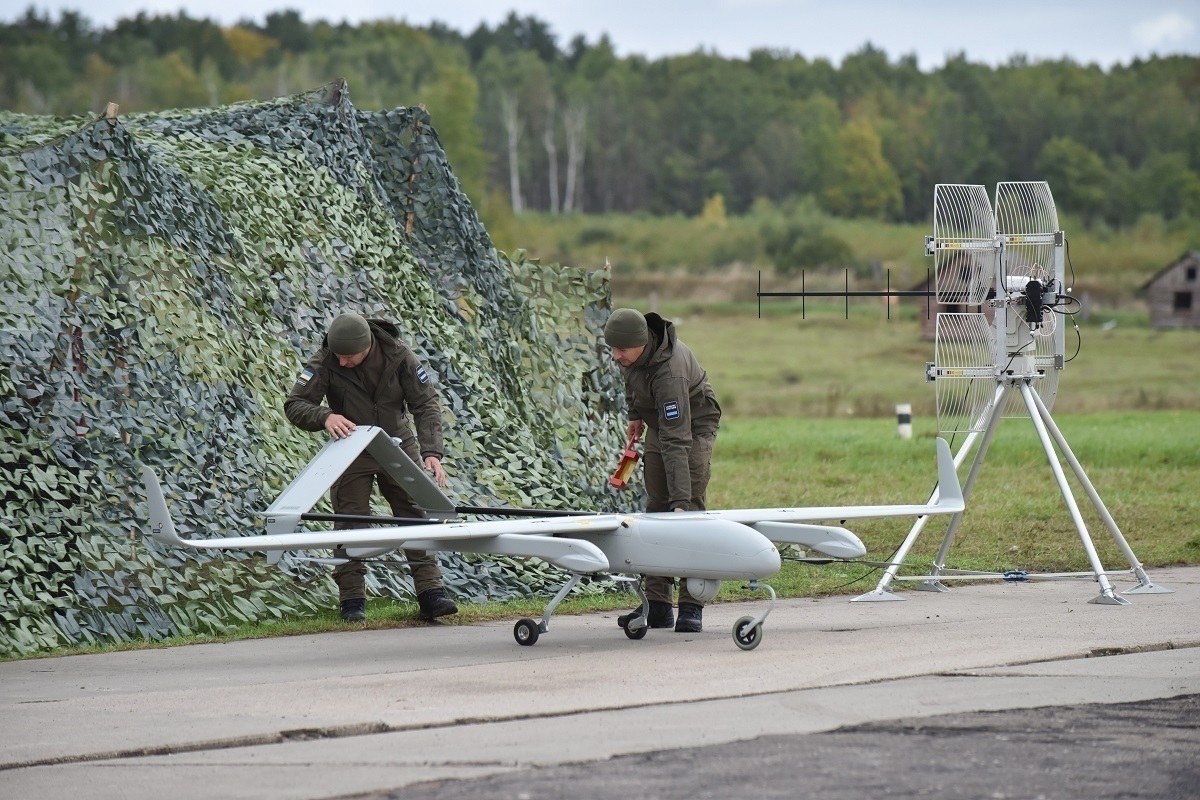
pixel 746 634
pixel 748 631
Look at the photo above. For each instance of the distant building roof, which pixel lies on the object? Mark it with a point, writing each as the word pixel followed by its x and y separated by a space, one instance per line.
pixel 1193 255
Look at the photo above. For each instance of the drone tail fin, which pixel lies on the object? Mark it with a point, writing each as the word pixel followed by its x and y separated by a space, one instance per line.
pixel 950 496
pixel 162 529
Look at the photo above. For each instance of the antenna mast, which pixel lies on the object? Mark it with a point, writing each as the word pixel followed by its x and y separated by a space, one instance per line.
pixel 1004 361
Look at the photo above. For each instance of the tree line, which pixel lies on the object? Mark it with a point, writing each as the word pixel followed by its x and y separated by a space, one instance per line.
pixel 560 128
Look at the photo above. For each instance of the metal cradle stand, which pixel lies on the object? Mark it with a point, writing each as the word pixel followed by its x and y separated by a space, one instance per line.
pixel 1016 270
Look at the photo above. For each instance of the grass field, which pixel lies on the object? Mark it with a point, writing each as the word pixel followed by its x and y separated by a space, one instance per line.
pixel 1144 465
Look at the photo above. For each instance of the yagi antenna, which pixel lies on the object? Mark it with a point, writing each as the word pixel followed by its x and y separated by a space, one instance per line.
pixel 846 294
pixel 963 246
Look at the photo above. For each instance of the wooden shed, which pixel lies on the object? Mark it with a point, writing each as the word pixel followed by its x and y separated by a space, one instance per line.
pixel 1174 294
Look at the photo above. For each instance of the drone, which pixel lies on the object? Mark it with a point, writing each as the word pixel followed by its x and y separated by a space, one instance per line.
pixel 702 547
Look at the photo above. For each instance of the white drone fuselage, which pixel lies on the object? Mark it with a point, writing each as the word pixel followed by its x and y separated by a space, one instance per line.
pixel 669 545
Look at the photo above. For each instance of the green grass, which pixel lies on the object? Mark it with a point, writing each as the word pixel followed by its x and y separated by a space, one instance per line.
pixel 1144 466
pixel 635 244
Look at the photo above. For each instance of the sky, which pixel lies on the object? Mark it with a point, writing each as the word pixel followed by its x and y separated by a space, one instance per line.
pixel 1104 32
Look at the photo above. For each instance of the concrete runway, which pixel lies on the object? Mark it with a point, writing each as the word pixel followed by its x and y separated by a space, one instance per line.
pixel 464 711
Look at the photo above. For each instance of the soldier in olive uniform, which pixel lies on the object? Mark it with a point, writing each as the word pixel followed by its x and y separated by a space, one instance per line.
pixel 670 400
pixel 369 377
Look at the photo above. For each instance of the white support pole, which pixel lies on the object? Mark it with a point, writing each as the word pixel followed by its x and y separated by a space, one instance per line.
pixel 1145 585
pixel 880 592
pixel 989 431
pixel 1107 595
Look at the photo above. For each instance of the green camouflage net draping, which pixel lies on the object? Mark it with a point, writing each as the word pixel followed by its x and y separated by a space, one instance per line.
pixel 163 278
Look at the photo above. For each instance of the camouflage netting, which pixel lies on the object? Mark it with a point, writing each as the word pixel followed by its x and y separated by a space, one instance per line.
pixel 163 278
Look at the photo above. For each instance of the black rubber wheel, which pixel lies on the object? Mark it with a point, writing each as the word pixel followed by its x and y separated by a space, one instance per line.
pixel 636 633
pixel 526 632
pixel 746 637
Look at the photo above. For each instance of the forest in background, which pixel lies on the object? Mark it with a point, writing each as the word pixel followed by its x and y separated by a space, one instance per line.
pixel 532 124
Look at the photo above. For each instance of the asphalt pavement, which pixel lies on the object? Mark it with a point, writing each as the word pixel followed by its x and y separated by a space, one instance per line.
pixel 998 690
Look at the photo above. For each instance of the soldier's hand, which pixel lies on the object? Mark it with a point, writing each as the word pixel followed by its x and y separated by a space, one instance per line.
pixel 338 426
pixel 434 465
pixel 635 429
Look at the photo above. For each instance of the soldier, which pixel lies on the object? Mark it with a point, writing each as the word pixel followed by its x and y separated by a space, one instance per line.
pixel 369 377
pixel 671 401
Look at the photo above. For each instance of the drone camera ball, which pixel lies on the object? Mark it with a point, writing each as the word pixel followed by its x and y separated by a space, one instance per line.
pixel 703 589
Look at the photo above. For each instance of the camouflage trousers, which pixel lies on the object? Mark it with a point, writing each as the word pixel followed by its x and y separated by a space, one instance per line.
pixel 655 472
pixel 351 494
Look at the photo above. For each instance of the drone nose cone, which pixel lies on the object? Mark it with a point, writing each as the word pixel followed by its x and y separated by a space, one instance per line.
pixel 755 555
pixel 767 562
pixel 698 546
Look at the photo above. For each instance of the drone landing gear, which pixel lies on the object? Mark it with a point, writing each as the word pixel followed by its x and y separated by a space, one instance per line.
pixel 635 625
pixel 747 631
pixel 526 631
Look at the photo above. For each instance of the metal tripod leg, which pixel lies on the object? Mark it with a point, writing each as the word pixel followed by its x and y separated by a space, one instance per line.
pixel 985 442
pixel 880 593
pixel 1107 595
pixel 1145 585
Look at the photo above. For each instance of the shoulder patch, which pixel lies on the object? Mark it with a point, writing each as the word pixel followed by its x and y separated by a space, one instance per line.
pixel 304 377
pixel 422 375
pixel 670 410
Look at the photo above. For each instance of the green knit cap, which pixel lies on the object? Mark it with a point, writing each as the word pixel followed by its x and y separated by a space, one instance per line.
pixel 626 328
pixel 349 334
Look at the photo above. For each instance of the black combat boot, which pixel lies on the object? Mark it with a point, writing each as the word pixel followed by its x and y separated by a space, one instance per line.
pixel 690 616
pixel 354 610
pixel 661 615
pixel 434 603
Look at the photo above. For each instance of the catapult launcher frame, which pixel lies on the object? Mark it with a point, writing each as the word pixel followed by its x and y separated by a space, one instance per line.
pixel 1003 361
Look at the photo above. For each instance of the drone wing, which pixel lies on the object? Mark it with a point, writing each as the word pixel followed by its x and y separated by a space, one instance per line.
pixel 328 465
pixel 786 525
pixel 548 538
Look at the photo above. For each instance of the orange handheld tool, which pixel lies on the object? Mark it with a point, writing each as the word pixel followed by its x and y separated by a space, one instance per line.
pixel 629 458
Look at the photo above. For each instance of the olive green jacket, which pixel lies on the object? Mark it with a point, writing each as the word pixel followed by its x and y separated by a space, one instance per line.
pixel 402 385
pixel 668 390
